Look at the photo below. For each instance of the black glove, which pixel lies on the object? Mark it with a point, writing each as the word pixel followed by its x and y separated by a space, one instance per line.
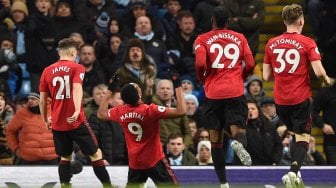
pixel 176 79
pixel 114 83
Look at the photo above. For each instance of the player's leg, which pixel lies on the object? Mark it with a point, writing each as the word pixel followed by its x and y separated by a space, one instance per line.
pixel 136 178
pixel 162 174
pixel 236 113
pixel 63 147
pixel 212 112
pixel 87 142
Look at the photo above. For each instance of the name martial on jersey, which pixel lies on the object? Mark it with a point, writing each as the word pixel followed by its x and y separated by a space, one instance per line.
pixel 223 35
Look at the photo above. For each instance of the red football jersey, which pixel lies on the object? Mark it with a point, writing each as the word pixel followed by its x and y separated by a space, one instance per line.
pixel 142 132
pixel 221 57
pixel 290 55
pixel 57 80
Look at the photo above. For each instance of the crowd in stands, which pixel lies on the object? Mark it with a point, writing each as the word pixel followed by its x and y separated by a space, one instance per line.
pixel 113 37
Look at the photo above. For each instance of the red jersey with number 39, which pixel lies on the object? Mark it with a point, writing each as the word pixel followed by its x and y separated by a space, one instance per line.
pixel 221 56
pixel 57 80
pixel 290 55
pixel 142 132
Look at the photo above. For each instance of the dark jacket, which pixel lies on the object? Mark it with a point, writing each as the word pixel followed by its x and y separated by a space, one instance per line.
pixel 40 42
pixel 110 137
pixel 263 142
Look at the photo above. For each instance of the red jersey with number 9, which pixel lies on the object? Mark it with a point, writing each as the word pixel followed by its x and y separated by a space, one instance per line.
pixel 57 80
pixel 290 55
pixel 221 56
pixel 142 132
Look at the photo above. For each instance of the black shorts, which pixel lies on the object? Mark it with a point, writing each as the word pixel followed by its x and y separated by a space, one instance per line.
pixel 297 118
pixel 83 136
pixel 161 174
pixel 221 113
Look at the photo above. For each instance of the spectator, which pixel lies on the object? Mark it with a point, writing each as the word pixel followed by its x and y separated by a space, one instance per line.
pixel 139 8
pixel 192 104
pixel 165 97
pixel 7 66
pixel 110 62
pixel 41 42
pixel 29 138
pixel 189 87
pixel 254 89
pixel 247 16
pixel 263 142
pixel 6 156
pixel 193 127
pixel 325 102
pixel 65 20
pixel 19 12
pixel 101 44
pixel 201 134
pixel 203 155
pixel 154 47
pixel 177 153
pixel 268 109
pixel 94 75
pixel 109 134
pixel 137 68
pixel 169 19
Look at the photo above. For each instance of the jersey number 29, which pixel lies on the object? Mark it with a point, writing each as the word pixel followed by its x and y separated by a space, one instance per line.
pixel 230 51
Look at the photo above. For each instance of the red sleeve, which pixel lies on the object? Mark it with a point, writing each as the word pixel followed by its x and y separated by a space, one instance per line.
pixel 200 62
pixel 248 59
pixel 79 74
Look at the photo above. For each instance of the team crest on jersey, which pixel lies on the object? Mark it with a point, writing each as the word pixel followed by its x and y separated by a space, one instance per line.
pixel 161 108
pixel 81 75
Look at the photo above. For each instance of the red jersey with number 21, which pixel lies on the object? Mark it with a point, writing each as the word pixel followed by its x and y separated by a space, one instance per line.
pixel 57 80
pixel 219 60
pixel 290 55
pixel 142 132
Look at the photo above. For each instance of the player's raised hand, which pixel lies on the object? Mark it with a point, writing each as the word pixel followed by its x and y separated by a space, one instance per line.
pixel 114 82
pixel 176 79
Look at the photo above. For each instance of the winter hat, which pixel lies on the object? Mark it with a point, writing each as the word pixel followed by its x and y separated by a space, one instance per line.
pixel 34 95
pixel 267 100
pixel 205 143
pixel 67 2
pixel 252 79
pixel 138 3
pixel 102 23
pixel 187 78
pixel 19 6
pixel 191 97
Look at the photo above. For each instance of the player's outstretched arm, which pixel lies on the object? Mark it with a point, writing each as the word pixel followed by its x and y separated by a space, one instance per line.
pixel 181 108
pixel 103 106
pixel 320 71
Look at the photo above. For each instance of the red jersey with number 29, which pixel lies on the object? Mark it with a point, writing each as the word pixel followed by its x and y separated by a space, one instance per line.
pixel 142 132
pixel 290 55
pixel 57 80
pixel 219 62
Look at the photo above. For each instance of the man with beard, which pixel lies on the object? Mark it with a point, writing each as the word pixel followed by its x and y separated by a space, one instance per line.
pixel 94 75
pixel 35 145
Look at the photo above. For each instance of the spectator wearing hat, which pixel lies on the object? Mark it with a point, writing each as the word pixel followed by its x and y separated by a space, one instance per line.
pixel 191 103
pixel 6 157
pixel 65 20
pixel 28 136
pixel 87 12
pixel 188 87
pixel 268 109
pixel 254 89
pixel 138 68
pixel 101 43
pixel 203 155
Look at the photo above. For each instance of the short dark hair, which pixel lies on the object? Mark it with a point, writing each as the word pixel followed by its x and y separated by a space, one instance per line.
pixel 221 16
pixel 67 43
pixel 129 94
